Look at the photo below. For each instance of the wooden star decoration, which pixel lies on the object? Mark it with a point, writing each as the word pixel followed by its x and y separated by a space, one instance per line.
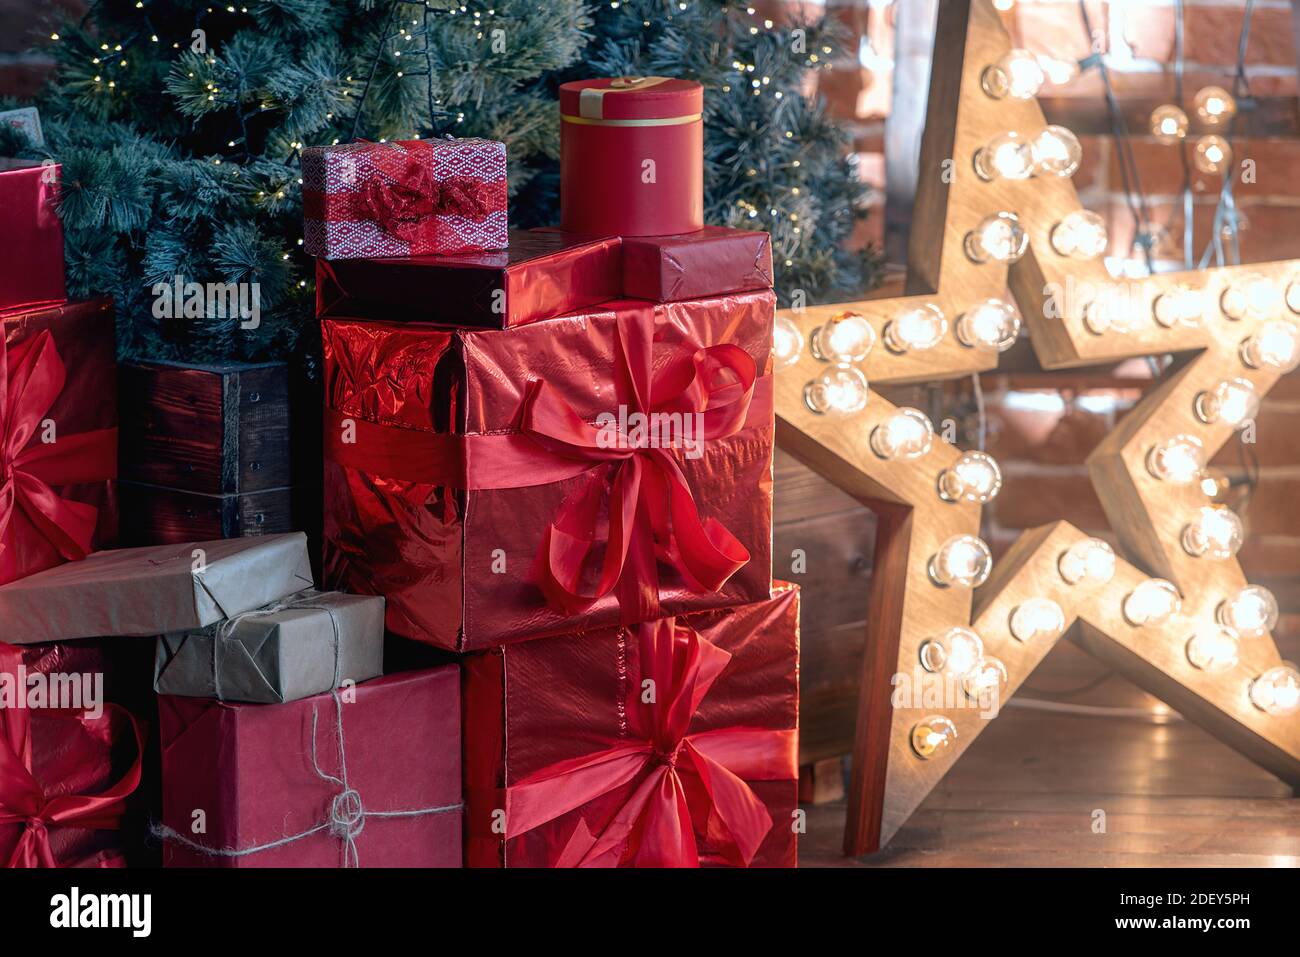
pixel 1224 326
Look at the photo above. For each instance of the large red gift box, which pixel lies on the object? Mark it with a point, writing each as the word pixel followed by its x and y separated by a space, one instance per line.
pixel 364 777
pixel 31 240
pixel 494 485
pixel 58 433
pixel 75 785
pixel 403 198
pixel 667 744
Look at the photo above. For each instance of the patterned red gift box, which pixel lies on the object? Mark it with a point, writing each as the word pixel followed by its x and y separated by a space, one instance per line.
pixel 667 744
pixel 404 198
pixel 498 485
pixel 31 242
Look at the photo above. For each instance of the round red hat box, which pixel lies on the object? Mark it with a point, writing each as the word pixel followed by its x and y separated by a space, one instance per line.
pixel 632 156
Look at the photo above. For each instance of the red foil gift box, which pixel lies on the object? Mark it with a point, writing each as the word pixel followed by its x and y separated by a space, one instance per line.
pixel 58 435
pixel 403 198
pixel 496 486
pixel 667 744
pixel 71 771
pixel 631 156
pixel 31 242
pixel 542 274
pixel 368 776
pixel 709 262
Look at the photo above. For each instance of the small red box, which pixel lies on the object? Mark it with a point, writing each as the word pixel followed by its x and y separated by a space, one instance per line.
pixel 669 744
pixel 631 156
pixel 333 775
pixel 31 242
pixel 714 261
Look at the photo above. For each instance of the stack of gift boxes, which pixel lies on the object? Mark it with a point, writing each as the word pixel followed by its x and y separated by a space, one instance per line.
pixel 548 469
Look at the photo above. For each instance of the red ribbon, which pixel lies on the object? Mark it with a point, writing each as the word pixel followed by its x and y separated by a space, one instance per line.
pixel 682 783
pixel 407 206
pixel 634 504
pixel 23 800
pixel 32 376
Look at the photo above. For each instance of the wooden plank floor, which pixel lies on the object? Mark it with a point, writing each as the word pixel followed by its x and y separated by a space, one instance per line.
pixel 1026 792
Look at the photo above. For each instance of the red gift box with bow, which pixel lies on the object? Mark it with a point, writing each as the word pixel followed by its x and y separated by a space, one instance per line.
pixel 606 467
pixel 58 436
pixel 667 744
pixel 409 198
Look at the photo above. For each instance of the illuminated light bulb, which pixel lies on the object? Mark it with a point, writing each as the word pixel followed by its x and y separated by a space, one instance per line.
pixel 988 676
pixel 1233 402
pixel 907 434
pixel 997 238
pixel 1008 156
pixel 1277 691
pixel 1215 483
pixel 1080 235
pixel 1214 532
pixel 1090 561
pixel 1251 297
pixel 840 390
pixel 1214 650
pixel 954 653
pixel 787 343
pixel 1179 306
pixel 963 560
pixel 1214 106
pixel 916 330
pixel 1275 345
pixel 1017 74
pixel 1293 296
pixel 1212 154
pixel 1178 461
pixel 933 735
pixel 1168 124
pixel 975 477
pixel 1152 602
pixel 1251 613
pixel 1099 320
pixel 846 338
pixel 1058 71
pixel 1037 618
pixel 1057 152
pixel 992 325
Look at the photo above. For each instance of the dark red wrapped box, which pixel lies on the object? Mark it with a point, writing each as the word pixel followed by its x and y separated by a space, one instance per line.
pixel 274 774
pixel 540 275
pixel 58 428
pixel 712 261
pixel 668 744
pixel 31 242
pixel 82 775
pixel 471 475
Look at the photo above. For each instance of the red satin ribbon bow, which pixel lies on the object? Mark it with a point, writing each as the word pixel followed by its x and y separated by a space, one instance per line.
pixel 23 800
pixel 684 782
pixel 32 376
pixel 405 203
pixel 650 511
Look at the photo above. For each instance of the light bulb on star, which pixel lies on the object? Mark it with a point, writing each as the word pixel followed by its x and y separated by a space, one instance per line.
pixel 997 238
pixel 1215 483
pixel 787 343
pixel 987 677
pixel 1233 402
pixel 1274 346
pixel 1215 532
pixel 1006 156
pixel 933 735
pixel 1277 691
pixel 1214 649
pixel 846 338
pixel 1168 124
pixel 1251 297
pixel 1178 461
pixel 1152 602
pixel 974 477
pixel 1017 74
pixel 1080 235
pixel 1212 154
pixel 1090 562
pixel 1180 305
pixel 1037 618
pixel 915 330
pixel 840 390
pixel 1252 612
pixel 1293 295
pixel 955 652
pixel 991 325
pixel 1214 105
pixel 1056 152
pixel 963 561
pixel 907 434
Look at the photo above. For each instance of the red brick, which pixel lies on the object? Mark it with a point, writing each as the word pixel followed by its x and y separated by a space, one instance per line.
pixel 1213 32
pixel 1270 557
pixel 845 88
pixel 1023 427
pixel 1032 498
pixel 1277 439
pixel 1056 29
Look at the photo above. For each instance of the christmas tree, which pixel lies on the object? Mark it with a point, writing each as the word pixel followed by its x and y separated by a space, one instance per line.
pixel 180 125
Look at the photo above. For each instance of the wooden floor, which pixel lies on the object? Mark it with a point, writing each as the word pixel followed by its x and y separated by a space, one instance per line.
pixel 1026 792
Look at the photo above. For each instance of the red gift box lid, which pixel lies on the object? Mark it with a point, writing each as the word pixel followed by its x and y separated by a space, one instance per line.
pixel 631 98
